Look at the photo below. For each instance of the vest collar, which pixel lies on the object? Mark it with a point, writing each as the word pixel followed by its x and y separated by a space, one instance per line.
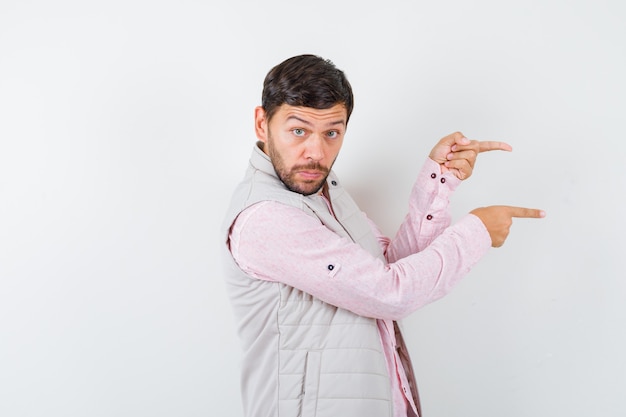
pixel 261 161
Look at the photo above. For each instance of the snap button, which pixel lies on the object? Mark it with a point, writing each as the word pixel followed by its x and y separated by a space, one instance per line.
pixel 429 217
pixel 331 267
pixel 443 180
pixel 333 182
pixel 433 175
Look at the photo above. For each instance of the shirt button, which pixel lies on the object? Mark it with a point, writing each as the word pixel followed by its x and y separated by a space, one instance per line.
pixel 333 182
pixel 443 180
pixel 429 217
pixel 433 175
pixel 331 267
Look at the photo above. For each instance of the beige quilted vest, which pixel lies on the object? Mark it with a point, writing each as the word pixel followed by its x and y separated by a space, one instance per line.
pixel 301 356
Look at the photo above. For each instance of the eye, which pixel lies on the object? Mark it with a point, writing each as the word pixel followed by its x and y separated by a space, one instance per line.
pixel 298 132
pixel 332 134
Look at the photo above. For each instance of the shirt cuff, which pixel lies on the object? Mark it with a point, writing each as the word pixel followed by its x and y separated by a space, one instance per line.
pixel 480 235
pixel 433 168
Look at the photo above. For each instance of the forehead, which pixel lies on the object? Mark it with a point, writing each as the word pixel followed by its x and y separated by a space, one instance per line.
pixel 336 115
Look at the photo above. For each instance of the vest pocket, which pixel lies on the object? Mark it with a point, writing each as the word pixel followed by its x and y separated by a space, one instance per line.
pixel 311 383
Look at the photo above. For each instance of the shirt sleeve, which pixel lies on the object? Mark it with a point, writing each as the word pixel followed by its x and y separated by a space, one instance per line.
pixel 279 243
pixel 428 215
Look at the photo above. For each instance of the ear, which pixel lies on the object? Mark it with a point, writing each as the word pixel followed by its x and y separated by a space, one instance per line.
pixel 260 124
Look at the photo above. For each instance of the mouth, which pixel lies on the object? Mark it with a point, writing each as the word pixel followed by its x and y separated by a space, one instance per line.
pixel 311 175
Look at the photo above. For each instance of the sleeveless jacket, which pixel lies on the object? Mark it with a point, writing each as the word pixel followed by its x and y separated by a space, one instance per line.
pixel 301 356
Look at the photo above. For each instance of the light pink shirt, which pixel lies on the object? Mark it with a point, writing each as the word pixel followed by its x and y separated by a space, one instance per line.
pixel 276 242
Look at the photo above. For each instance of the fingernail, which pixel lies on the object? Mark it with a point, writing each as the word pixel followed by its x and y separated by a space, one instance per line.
pixel 542 213
pixel 465 140
pixel 450 155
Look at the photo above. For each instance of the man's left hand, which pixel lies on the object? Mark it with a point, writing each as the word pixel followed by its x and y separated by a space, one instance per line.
pixel 457 154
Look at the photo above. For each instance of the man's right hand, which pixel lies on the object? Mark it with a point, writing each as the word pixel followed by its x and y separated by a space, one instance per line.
pixel 498 220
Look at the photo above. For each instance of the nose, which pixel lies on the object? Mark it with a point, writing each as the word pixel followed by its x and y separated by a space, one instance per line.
pixel 314 148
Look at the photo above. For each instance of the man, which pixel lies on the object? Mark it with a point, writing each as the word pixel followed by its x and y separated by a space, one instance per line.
pixel 316 289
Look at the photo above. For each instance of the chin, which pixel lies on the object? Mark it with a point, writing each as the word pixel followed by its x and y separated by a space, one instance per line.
pixel 304 190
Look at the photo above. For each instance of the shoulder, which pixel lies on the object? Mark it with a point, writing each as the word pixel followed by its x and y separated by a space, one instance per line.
pixel 270 212
pixel 270 221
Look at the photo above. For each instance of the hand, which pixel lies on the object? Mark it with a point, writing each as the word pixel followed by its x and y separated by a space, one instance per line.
pixel 498 220
pixel 457 154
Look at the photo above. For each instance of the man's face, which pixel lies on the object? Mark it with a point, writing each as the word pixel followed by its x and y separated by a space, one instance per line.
pixel 302 143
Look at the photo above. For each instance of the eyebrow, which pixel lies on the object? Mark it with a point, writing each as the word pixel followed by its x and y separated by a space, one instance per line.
pixel 306 122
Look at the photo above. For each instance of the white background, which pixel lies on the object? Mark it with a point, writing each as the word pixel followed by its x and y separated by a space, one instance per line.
pixel 124 126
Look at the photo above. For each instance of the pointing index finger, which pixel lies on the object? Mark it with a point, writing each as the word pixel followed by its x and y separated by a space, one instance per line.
pixel 526 212
pixel 485 146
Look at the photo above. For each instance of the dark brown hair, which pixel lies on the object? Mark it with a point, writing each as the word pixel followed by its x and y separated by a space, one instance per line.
pixel 306 81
